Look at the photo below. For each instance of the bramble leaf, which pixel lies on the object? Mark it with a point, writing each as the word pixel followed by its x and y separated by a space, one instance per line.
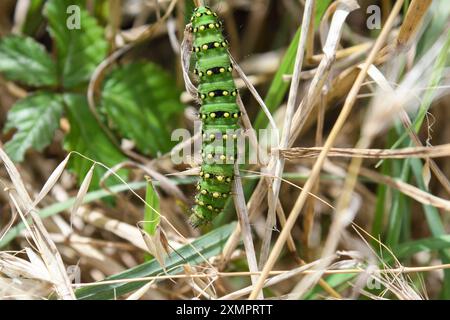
pixel 79 40
pixel 87 138
pixel 141 101
pixel 36 118
pixel 24 60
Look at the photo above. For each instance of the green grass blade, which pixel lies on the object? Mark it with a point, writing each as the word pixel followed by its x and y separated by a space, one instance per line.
pixel 334 281
pixel 151 216
pixel 279 87
pixel 434 223
pixel 208 245
pixel 410 248
pixel 397 214
pixel 378 220
pixel 90 197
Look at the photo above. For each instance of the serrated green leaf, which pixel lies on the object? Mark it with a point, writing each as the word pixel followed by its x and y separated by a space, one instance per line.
pixel 24 60
pixel 78 50
pixel 87 138
pixel 208 245
pixel 36 119
pixel 141 102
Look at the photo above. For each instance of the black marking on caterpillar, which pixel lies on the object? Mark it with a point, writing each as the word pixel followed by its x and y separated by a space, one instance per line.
pixel 217 93
pixel 213 71
pixel 211 45
pixel 219 114
pixel 207 26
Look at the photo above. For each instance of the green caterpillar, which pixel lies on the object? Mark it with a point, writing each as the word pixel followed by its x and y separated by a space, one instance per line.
pixel 219 114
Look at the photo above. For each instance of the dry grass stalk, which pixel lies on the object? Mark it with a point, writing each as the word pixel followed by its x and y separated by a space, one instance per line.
pixel 277 164
pixel 274 280
pixel 155 245
pixel 47 249
pixel 241 209
pixel 303 271
pixel 343 209
pixel 117 227
pixel 165 183
pixel 197 284
pixel 412 22
pixel 298 153
pixel 82 192
pixel 186 52
pixel 138 294
pixel 344 200
pixel 199 3
pixel 253 91
pixel 308 221
pixel 400 99
pixel 349 102
pixel 343 9
pixel 255 22
pixel 407 189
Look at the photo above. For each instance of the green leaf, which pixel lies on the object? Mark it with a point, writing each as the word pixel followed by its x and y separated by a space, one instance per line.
pixel 78 50
pixel 141 102
pixel 24 60
pixel 151 217
pixel 36 119
pixel 208 246
pixel 87 138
